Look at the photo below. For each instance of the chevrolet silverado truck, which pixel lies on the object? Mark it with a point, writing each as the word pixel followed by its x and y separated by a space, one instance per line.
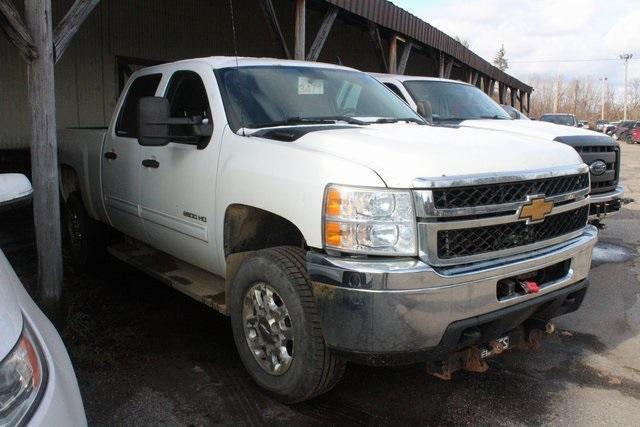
pixel 328 219
pixel 457 104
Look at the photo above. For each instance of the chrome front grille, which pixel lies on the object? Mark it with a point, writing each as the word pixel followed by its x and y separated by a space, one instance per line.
pixel 459 222
pixel 493 238
pixel 509 192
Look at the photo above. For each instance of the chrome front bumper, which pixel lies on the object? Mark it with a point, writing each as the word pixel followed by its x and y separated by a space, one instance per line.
pixel 404 305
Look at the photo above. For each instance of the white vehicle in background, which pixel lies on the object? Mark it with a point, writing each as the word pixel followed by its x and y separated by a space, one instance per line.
pixel 328 219
pixel 453 103
pixel 38 386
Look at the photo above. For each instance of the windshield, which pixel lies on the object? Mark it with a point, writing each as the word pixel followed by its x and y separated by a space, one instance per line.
pixel 455 101
pixel 265 96
pixel 559 119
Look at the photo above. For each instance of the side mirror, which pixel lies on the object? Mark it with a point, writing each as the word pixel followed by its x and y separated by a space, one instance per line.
pixel 15 189
pixel 156 127
pixel 424 109
pixel 153 118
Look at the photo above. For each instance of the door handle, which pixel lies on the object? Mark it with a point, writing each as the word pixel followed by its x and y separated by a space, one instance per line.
pixel 110 155
pixel 150 163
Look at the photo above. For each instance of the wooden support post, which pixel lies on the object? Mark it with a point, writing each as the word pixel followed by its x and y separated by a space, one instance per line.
pixel 528 108
pixel 501 92
pixel 514 93
pixel 492 87
pixel 374 32
pixel 520 96
pixel 13 26
pixel 476 79
pixel 447 69
pixel 441 65
pixel 323 33
pixel 404 58
pixel 70 24
pixel 393 54
pixel 44 157
pixel 274 25
pixel 300 30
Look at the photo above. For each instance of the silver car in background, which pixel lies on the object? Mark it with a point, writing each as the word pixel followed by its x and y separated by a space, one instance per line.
pixel 38 386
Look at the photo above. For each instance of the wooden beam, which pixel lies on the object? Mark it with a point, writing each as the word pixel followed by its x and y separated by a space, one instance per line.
pixel 374 32
pixel 276 32
pixel 300 30
pixel 476 79
pixel 393 54
pixel 16 31
pixel 44 157
pixel 70 24
pixel 404 58
pixel 323 33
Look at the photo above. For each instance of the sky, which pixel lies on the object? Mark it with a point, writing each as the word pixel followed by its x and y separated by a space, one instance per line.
pixel 543 30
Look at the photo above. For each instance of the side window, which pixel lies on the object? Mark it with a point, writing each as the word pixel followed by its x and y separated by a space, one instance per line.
pixel 128 119
pixel 395 90
pixel 187 96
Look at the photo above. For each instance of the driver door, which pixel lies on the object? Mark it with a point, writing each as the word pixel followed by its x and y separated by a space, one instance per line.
pixel 178 180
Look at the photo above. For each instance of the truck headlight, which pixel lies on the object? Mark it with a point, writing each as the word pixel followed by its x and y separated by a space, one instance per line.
pixel 369 221
pixel 21 380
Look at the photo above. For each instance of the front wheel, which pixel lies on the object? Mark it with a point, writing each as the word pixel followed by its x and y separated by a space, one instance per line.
pixel 276 326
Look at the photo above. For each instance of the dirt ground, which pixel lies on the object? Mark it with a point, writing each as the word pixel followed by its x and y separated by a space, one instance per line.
pixel 147 355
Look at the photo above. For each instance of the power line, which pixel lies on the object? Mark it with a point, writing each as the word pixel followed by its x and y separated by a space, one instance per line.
pixel 567 60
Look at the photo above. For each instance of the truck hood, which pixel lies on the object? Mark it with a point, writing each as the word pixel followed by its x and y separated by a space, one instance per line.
pixel 401 152
pixel 10 316
pixel 533 128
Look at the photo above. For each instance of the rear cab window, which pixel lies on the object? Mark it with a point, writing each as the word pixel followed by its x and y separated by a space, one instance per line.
pixel 127 124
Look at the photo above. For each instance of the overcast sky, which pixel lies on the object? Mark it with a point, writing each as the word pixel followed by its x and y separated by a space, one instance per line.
pixel 536 30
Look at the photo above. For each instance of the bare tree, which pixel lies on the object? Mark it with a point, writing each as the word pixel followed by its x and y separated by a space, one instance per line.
pixel 464 42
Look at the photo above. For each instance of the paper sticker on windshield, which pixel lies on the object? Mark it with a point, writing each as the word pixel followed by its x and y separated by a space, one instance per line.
pixel 307 86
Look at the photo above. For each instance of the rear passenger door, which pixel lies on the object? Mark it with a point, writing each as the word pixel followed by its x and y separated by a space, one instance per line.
pixel 178 183
pixel 121 158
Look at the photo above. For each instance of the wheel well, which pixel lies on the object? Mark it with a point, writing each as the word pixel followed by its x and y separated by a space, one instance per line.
pixel 247 228
pixel 69 181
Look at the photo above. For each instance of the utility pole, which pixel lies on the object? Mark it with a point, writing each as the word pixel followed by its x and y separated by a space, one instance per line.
pixel 626 57
pixel 604 85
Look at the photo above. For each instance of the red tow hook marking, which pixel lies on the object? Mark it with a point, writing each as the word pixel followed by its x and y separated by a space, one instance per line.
pixel 531 287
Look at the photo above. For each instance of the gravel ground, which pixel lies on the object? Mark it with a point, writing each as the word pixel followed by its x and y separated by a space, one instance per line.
pixel 146 355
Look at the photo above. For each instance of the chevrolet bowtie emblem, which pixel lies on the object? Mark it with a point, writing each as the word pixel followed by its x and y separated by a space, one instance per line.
pixel 535 209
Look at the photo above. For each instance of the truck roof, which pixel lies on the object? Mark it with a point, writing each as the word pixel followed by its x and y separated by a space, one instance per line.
pixel 243 61
pixel 404 78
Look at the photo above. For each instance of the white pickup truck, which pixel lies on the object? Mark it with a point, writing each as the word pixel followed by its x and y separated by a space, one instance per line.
pixel 328 219
pixel 458 104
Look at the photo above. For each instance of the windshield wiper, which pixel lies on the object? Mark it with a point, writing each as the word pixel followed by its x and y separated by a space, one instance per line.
pixel 495 117
pixel 399 119
pixel 310 121
pixel 451 119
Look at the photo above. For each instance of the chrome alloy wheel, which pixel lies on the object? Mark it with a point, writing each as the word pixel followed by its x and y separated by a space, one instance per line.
pixel 268 328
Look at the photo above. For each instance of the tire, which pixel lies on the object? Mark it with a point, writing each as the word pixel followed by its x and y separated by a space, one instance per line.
pixel 86 238
pixel 313 369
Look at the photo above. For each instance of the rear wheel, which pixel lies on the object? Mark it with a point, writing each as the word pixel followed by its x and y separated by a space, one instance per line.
pixel 276 327
pixel 86 237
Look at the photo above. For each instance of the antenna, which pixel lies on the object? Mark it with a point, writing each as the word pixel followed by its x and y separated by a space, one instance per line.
pixel 235 52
